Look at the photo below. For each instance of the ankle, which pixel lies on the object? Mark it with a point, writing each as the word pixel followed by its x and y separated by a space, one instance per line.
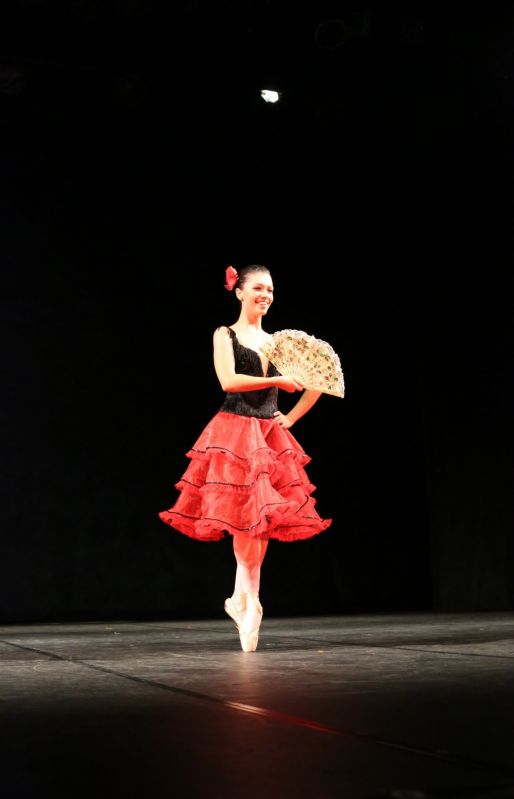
pixel 252 602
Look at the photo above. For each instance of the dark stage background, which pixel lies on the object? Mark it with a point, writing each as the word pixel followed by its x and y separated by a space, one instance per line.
pixel 138 160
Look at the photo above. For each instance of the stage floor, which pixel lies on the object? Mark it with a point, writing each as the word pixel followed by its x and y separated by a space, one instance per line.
pixel 359 706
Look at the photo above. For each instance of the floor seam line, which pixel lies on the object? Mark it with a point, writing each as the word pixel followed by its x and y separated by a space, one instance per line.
pixel 342 644
pixel 403 648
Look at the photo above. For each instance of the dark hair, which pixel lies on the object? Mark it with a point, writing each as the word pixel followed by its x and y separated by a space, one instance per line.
pixel 245 272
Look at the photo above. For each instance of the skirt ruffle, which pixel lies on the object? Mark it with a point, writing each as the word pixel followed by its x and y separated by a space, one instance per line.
pixel 246 475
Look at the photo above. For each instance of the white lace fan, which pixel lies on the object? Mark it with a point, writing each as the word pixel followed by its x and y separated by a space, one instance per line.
pixel 308 359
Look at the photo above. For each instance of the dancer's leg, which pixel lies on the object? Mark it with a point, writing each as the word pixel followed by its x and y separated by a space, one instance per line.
pixel 249 553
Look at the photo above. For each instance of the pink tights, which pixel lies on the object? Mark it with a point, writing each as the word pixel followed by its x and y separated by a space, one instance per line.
pixel 249 553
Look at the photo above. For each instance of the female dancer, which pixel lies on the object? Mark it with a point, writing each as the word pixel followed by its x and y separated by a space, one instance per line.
pixel 246 476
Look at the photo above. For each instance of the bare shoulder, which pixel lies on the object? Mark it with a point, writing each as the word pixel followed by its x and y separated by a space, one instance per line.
pixel 221 333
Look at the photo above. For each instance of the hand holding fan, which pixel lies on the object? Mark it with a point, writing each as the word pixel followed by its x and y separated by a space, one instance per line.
pixel 308 359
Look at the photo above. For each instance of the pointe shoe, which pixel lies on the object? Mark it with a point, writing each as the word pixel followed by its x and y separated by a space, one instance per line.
pixel 249 639
pixel 235 607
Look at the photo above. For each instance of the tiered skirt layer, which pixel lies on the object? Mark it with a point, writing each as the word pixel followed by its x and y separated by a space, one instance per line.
pixel 246 475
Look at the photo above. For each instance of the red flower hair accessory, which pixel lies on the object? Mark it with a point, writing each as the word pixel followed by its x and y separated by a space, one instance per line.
pixel 231 277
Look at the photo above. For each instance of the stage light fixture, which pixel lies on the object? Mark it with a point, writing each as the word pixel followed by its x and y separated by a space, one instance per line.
pixel 270 96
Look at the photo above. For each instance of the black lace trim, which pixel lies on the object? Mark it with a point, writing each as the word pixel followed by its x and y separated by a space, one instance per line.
pixel 241 457
pixel 224 521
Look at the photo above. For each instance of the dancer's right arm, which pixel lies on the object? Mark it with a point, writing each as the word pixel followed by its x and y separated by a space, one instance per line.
pixel 231 381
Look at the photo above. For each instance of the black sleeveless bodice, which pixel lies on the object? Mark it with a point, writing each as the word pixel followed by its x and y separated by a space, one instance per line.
pixel 261 403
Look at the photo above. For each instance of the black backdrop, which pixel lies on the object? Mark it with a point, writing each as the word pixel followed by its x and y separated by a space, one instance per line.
pixel 137 161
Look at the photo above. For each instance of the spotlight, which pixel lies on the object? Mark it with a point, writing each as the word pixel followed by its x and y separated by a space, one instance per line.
pixel 269 96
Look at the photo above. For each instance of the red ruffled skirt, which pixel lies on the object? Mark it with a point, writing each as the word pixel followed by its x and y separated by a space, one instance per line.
pixel 246 475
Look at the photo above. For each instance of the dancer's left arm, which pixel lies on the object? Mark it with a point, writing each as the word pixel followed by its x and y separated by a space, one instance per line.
pixel 304 404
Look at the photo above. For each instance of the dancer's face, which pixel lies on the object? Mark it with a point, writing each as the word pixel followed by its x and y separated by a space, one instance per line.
pixel 257 293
